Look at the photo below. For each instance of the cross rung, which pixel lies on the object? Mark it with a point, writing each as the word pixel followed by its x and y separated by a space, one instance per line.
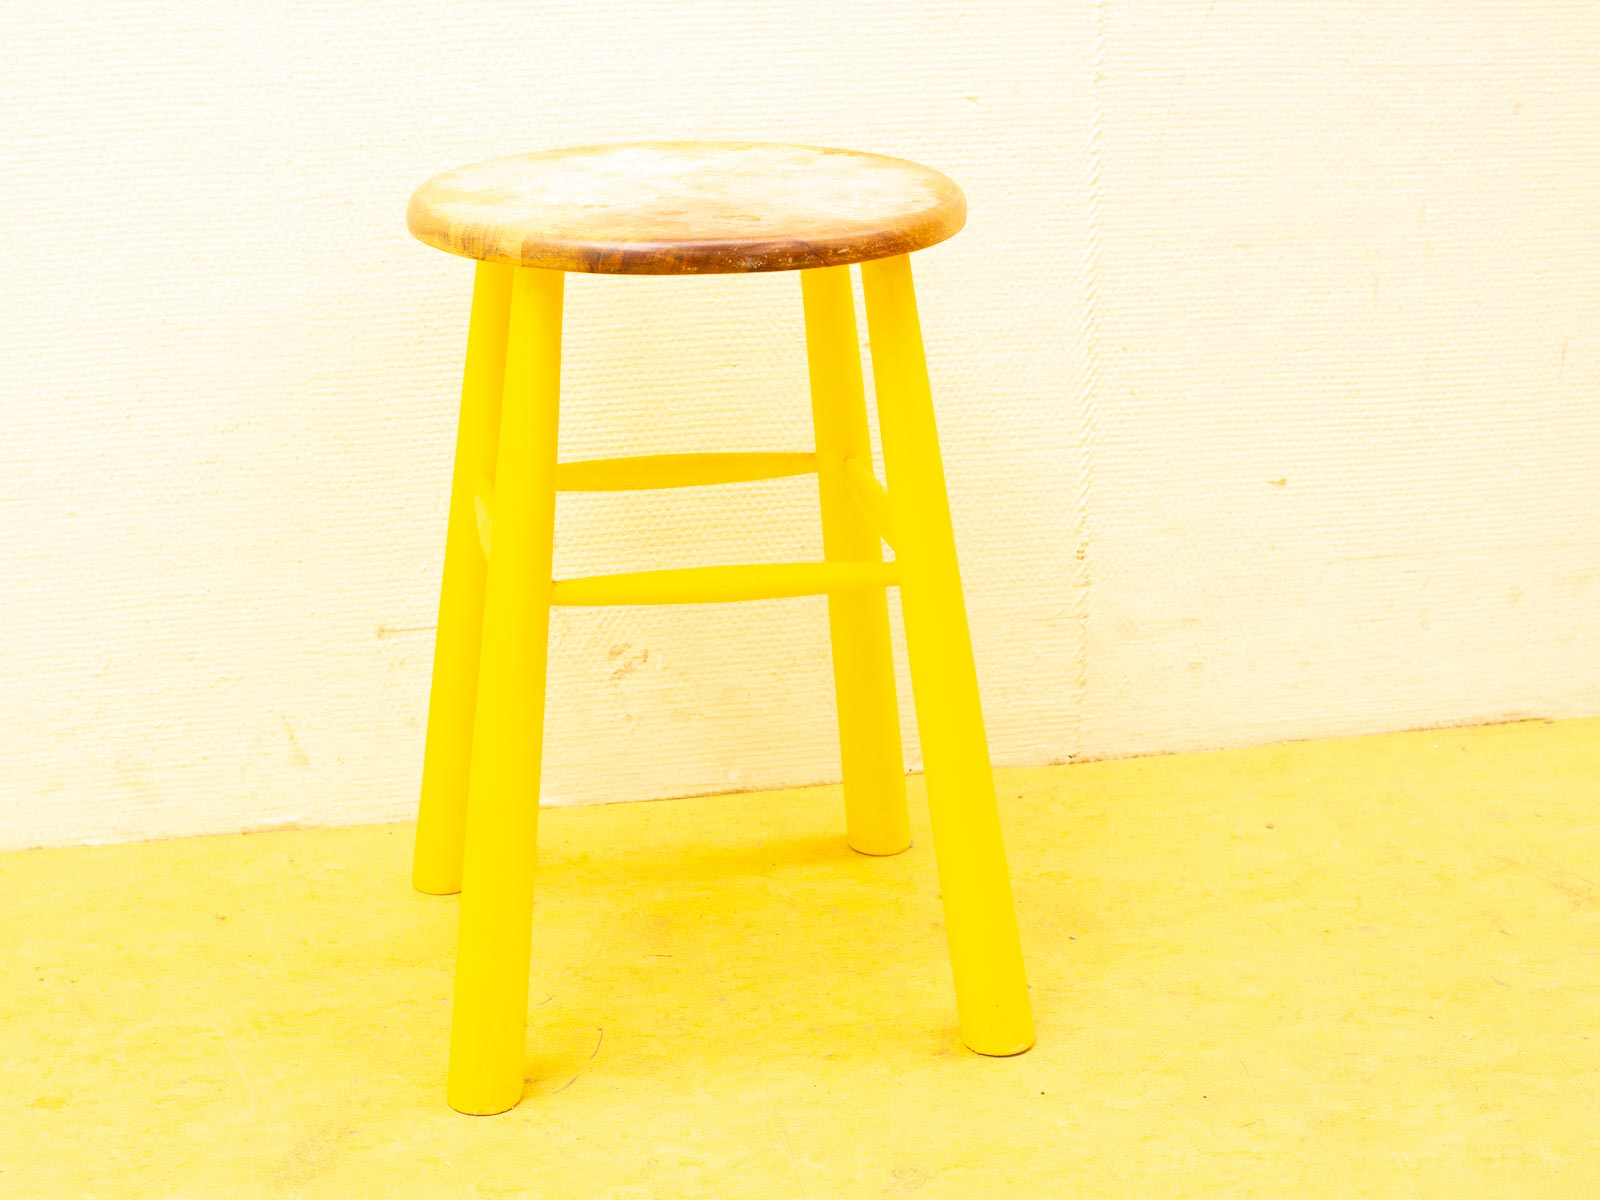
pixel 678 470
pixel 871 497
pixel 716 585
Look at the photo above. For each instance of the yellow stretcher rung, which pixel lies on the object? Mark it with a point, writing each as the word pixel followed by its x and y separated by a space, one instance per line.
pixel 716 585
pixel 678 470
pixel 871 497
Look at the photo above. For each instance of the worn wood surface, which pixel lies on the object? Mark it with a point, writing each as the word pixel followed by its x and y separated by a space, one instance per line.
pixel 687 208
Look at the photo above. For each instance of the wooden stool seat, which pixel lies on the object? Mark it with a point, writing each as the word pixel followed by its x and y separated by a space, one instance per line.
pixel 687 208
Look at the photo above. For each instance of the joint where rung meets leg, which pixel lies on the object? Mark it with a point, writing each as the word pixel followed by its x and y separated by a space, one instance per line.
pixel 722 585
pixel 650 471
pixel 871 497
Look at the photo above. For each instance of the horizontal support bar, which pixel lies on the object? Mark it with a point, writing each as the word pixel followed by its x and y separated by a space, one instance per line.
pixel 677 470
pixel 871 497
pixel 717 585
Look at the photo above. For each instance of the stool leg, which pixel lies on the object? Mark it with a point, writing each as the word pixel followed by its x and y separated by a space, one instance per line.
pixel 980 918
pixel 858 621
pixel 441 816
pixel 494 945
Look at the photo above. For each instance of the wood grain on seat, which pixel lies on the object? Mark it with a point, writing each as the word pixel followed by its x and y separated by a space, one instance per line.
pixel 687 208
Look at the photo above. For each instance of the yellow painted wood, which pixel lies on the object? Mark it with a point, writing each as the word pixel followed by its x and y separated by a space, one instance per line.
pixel 483 509
pixel 870 495
pixel 494 942
pixel 980 917
pixel 858 621
pixel 677 470
pixel 720 585
pixel 1363 967
pixel 441 815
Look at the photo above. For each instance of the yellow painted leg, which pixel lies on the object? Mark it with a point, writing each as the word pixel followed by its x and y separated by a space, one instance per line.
pixel 441 816
pixel 980 918
pixel 494 946
pixel 863 666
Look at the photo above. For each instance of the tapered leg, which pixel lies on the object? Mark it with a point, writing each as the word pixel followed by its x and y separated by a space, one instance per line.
pixel 441 816
pixel 493 948
pixel 863 666
pixel 980 918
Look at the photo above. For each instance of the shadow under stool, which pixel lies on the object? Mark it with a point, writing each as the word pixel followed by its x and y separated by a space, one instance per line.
pixel 687 209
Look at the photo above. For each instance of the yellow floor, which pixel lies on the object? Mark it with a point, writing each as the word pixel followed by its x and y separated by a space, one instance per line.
pixel 1346 968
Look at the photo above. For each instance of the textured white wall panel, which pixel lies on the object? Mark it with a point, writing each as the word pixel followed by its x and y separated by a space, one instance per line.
pixel 1347 405
pixel 1267 368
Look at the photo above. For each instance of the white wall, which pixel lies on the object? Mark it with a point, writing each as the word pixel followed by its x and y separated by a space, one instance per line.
pixel 1268 370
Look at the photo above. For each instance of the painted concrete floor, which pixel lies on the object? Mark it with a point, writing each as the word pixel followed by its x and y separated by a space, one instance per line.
pixel 1351 968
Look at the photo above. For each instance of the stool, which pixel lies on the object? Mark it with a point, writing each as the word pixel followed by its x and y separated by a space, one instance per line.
pixel 687 209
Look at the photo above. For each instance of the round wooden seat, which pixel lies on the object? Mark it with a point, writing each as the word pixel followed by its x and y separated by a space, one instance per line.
pixel 686 208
